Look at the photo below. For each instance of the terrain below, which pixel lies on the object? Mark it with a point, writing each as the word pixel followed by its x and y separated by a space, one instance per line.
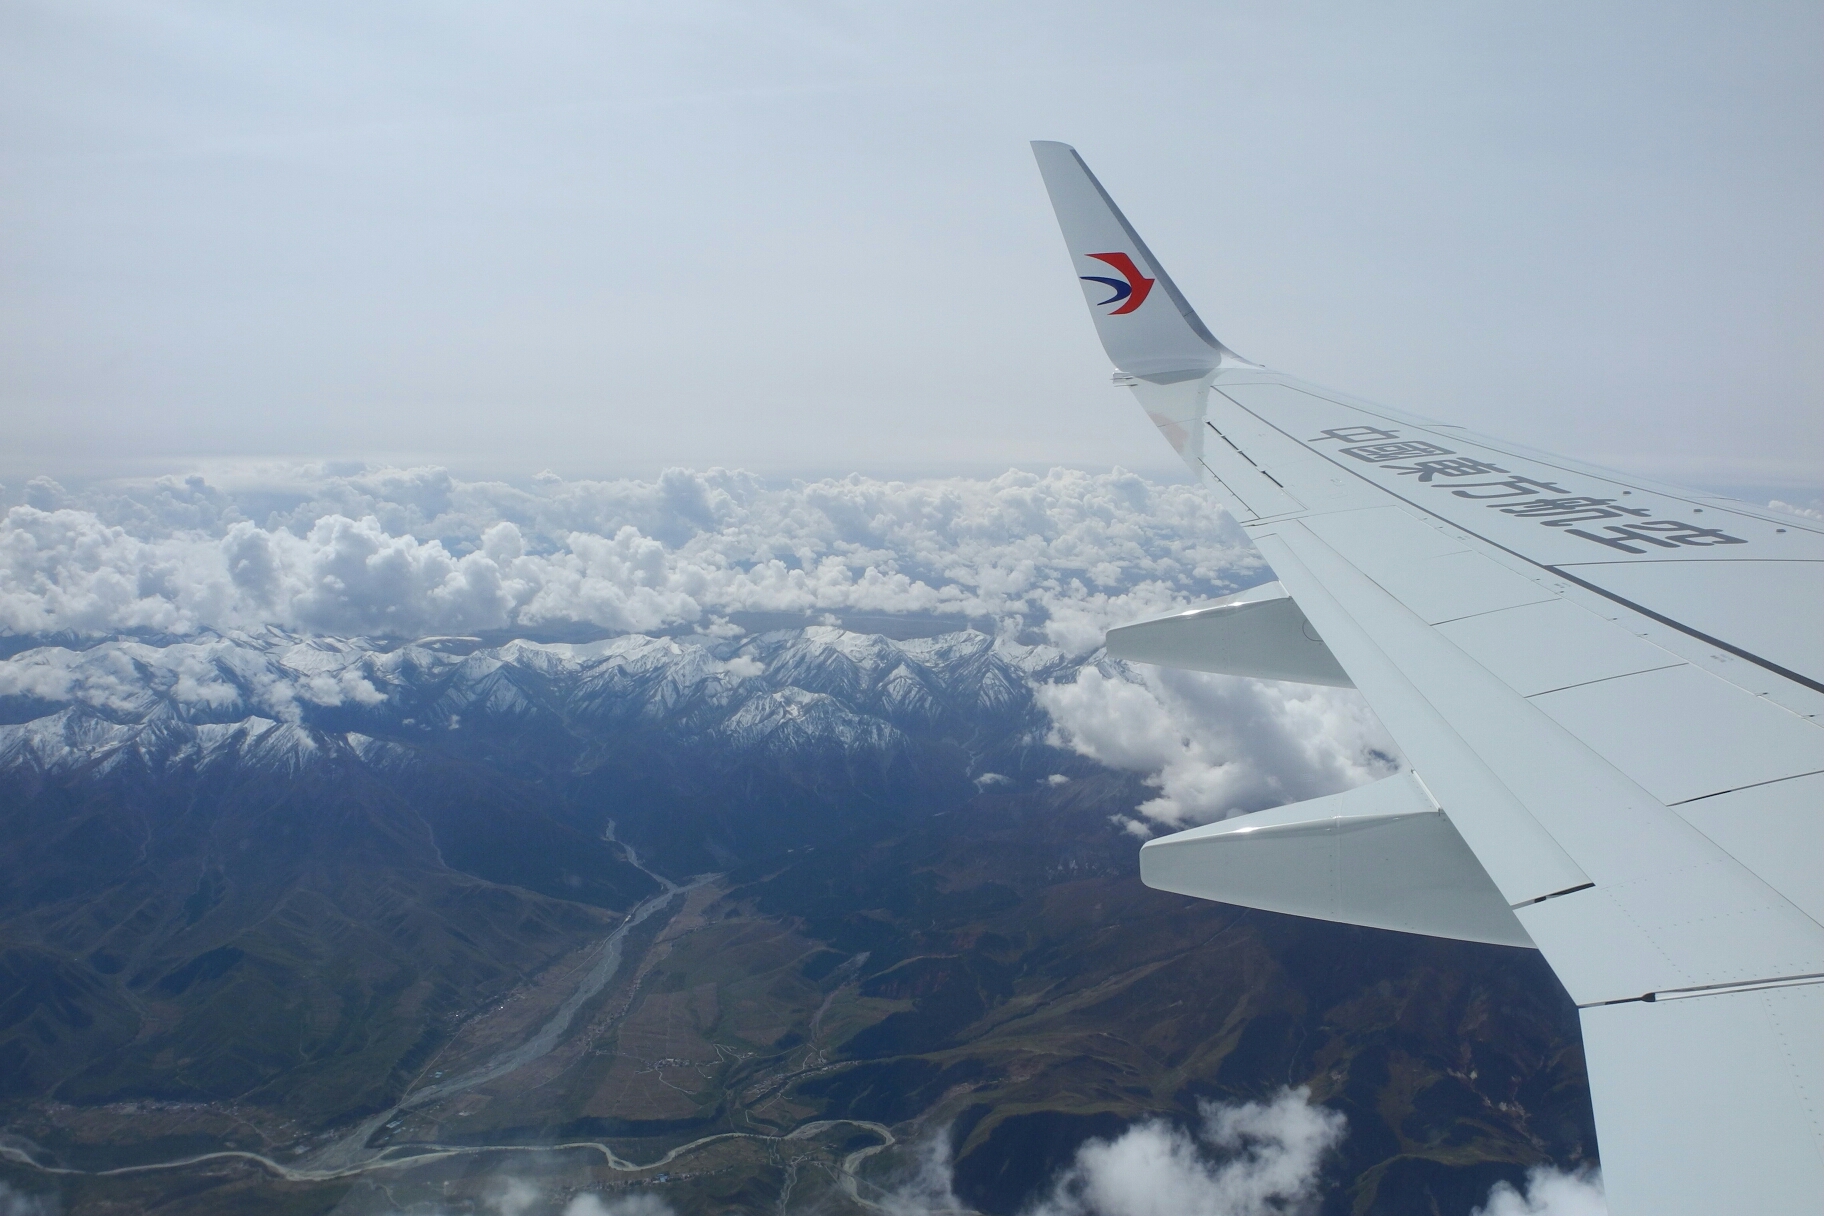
pixel 745 925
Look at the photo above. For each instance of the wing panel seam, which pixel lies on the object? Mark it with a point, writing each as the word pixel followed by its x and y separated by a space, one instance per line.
pixel 1527 903
pixel 1752 785
pixel 1672 994
pixel 1676 662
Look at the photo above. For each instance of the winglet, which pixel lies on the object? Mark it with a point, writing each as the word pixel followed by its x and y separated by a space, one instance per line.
pixel 1146 325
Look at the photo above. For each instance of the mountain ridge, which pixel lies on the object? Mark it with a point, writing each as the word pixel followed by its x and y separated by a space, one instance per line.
pixel 258 892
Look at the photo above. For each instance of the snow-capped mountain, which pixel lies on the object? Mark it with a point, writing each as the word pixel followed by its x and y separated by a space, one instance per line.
pixel 322 815
pixel 277 700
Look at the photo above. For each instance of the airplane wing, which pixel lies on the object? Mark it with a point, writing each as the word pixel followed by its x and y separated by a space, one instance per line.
pixel 1608 692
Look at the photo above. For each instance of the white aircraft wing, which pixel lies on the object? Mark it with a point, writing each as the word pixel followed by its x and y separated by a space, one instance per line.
pixel 1608 692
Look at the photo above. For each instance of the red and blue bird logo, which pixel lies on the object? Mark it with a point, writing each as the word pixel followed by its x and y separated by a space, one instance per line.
pixel 1131 287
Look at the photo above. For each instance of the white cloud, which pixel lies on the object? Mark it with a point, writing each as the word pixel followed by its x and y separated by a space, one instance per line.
pixel 1814 511
pixel 622 1205
pixel 22 1203
pixel 511 1197
pixel 1253 1158
pixel 212 679
pixel 1218 745
pixel 1549 1192
pixel 413 552
pixel 25 678
pixel 926 1189
pixel 744 666
pixel 341 688
pixel 404 552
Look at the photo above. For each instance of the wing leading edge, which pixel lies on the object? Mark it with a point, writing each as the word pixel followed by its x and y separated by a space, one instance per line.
pixel 1604 688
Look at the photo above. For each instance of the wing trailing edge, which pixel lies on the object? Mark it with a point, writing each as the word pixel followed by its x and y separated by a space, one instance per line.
pixel 1381 855
pixel 1259 632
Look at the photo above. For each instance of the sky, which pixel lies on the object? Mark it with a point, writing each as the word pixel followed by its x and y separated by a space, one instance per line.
pixel 808 239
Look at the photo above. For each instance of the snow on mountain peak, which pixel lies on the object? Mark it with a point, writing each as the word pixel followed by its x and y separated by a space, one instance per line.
pixel 272 699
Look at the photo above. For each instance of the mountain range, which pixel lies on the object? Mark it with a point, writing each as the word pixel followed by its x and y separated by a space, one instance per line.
pixel 276 894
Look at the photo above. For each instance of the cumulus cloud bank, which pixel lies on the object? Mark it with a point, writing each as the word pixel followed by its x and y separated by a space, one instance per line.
pixel 1549 1192
pixel 412 552
pixel 1250 1159
pixel 1814 511
pixel 210 679
pixel 928 1188
pixel 1246 1159
pixel 405 552
pixel 623 1205
pixel 1255 1158
pixel 515 1196
pixel 1214 746
pixel 24 1203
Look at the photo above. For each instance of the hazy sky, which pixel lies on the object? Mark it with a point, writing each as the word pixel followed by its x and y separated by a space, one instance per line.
pixel 809 237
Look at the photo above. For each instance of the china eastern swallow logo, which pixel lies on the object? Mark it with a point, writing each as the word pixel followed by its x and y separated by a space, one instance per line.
pixel 1132 286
